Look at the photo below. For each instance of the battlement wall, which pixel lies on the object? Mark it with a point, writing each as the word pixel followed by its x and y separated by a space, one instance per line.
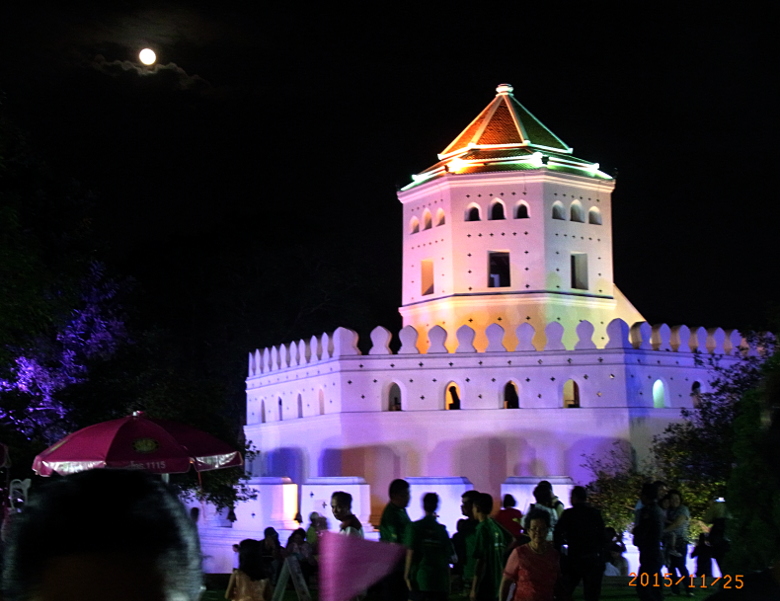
pixel 640 367
pixel 343 342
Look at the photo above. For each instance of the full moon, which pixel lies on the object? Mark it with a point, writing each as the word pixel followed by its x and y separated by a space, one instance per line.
pixel 147 56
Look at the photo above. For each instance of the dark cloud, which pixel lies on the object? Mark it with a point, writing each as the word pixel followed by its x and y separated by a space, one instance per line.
pixel 170 75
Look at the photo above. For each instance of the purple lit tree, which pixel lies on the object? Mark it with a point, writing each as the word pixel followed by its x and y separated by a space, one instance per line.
pixel 93 330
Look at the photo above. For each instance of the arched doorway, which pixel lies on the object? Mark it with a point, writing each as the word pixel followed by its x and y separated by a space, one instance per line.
pixel 393 402
pixel 511 397
pixel 452 396
pixel 571 394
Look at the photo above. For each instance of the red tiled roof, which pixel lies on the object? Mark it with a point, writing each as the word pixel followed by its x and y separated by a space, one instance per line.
pixel 505 121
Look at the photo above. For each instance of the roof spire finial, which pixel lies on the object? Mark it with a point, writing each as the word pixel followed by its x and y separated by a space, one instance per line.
pixel 504 88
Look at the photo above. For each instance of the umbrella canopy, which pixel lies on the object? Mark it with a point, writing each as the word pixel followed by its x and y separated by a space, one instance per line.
pixel 137 442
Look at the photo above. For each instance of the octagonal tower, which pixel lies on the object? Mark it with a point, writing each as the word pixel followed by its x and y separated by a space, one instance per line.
pixel 509 227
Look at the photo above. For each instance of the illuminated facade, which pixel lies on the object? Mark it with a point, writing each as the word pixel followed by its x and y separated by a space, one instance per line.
pixel 518 355
pixel 509 227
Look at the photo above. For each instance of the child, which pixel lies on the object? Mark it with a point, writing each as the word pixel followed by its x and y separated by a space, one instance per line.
pixel 703 554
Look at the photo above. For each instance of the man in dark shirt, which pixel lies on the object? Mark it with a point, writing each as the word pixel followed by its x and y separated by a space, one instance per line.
pixel 648 528
pixel 428 556
pixel 581 528
pixel 463 540
pixel 490 544
pixel 394 517
pixel 391 530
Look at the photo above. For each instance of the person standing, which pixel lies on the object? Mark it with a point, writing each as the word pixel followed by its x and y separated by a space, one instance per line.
pixel 717 514
pixel 272 553
pixel 679 516
pixel 648 526
pixel 392 527
pixel 510 517
pixel 428 558
pixel 555 502
pixel 544 501
pixel 535 568
pixel 463 539
pixel 490 544
pixel 341 505
pixel 581 528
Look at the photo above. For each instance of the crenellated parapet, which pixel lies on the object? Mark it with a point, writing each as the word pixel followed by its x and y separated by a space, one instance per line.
pixel 343 342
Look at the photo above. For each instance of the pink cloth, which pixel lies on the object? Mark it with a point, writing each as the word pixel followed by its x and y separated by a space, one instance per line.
pixel 535 575
pixel 349 565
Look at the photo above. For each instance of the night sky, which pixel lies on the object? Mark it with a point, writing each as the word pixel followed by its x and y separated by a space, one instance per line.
pixel 295 125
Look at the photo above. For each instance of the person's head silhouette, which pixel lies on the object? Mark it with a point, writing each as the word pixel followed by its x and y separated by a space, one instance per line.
pixel 103 534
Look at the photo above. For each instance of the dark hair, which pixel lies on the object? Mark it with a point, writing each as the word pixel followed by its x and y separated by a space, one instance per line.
pixel 103 512
pixel 251 561
pixel 545 484
pixel 579 493
pixel 543 495
pixel 484 503
pixel 649 491
pixel 397 487
pixel 270 531
pixel 299 531
pixel 343 499
pixel 674 491
pixel 430 502
pixel 509 501
pixel 537 514
pixel 470 495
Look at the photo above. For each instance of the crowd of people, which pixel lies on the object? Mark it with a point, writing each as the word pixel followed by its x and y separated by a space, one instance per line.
pixel 125 535
pixel 542 554
pixel 661 521
pixel 259 563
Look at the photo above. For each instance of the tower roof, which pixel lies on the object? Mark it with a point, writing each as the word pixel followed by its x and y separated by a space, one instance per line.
pixel 505 136
pixel 505 122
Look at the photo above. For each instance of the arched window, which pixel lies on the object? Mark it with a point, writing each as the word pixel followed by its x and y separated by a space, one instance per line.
pixel 394 398
pixel 511 398
pixel 414 225
pixel 696 394
pixel 521 211
pixel 452 396
pixel 571 394
pixel 321 400
pixel 558 211
pixel 440 217
pixel 473 213
pixel 576 213
pixel 497 211
pixel 659 394
pixel 594 216
pixel 280 409
pixel 300 406
pixel 427 220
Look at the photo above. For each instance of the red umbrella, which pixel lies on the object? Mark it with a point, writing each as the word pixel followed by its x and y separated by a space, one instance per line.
pixel 137 442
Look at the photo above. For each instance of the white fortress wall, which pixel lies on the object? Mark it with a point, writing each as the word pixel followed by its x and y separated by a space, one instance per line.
pixel 360 436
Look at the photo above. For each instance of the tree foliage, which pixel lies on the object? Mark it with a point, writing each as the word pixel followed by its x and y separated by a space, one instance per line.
pixel 695 455
pixel 753 488
pixel 614 489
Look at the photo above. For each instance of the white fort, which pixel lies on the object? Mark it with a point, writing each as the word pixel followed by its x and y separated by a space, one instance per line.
pixel 518 356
